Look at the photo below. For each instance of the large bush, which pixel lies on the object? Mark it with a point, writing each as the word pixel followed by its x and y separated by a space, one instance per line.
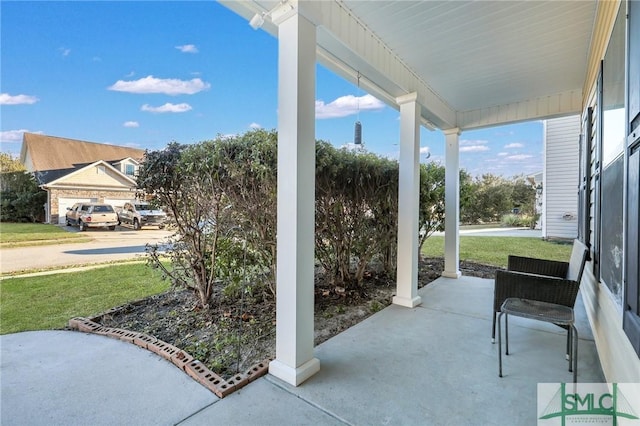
pixel 356 212
pixel 488 197
pixel 221 196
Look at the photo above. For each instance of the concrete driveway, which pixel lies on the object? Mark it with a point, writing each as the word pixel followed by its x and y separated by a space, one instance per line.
pixel 121 244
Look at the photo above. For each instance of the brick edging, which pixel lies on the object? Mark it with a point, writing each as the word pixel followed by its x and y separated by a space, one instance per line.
pixel 181 359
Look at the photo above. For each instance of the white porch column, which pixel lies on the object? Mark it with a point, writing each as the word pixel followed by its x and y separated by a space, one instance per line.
pixel 452 205
pixel 294 361
pixel 408 202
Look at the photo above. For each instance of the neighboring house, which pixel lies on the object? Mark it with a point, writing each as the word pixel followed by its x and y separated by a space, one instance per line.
pixel 73 171
pixel 559 180
pixel 459 66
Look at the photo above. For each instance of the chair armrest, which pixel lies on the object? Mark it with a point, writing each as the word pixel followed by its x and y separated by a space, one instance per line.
pixel 531 265
pixel 534 287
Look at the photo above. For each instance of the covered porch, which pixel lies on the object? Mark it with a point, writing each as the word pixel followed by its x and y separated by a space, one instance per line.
pixel 452 66
pixel 432 364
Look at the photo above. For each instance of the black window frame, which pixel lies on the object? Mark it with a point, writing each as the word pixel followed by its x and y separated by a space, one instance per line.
pixel 631 301
pixel 584 185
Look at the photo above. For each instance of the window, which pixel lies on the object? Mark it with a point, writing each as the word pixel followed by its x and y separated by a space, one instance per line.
pixel 584 189
pixel 101 170
pixel 103 209
pixel 631 307
pixel 129 169
pixel 611 226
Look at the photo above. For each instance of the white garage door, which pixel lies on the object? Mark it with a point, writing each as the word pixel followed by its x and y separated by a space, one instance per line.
pixel 64 203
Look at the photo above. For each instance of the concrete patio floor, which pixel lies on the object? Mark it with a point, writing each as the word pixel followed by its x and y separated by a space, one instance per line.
pixel 433 364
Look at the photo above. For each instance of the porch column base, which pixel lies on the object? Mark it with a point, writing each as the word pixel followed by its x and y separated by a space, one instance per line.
pixel 406 302
pixel 452 274
pixel 294 376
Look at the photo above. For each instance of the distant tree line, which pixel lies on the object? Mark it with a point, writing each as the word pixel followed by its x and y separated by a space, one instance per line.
pixel 487 198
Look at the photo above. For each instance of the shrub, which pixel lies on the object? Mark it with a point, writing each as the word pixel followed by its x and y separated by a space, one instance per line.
pixel 22 198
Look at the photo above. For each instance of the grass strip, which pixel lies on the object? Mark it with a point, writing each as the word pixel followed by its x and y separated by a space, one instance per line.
pixel 23 234
pixel 49 301
pixel 496 250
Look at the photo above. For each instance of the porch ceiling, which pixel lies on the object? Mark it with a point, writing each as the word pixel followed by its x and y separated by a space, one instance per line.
pixel 473 63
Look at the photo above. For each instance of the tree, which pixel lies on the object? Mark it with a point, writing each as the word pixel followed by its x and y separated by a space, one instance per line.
pixel 10 164
pixel 523 195
pixel 249 181
pixel 220 196
pixel 185 180
pixel 432 198
pixel 489 199
pixel 22 198
pixel 432 208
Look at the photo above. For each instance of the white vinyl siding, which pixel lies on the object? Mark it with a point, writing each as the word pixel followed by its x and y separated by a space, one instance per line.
pixel 560 211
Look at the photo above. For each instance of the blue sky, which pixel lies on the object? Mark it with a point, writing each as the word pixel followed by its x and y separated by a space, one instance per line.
pixel 146 73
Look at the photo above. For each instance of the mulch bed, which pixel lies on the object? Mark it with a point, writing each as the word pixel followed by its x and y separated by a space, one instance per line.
pixel 230 338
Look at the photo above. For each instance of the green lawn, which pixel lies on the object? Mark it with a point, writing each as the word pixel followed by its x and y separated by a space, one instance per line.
pixel 49 301
pixel 495 250
pixel 22 234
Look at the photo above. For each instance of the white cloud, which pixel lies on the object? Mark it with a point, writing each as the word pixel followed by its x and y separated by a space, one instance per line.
pixel 348 105
pixel 518 157
pixel 9 136
pixel 474 148
pixel 424 150
pixel 168 86
pixel 131 124
pixel 474 145
pixel 514 145
pixel 64 51
pixel 7 99
pixel 255 126
pixel 473 142
pixel 187 48
pixel 131 74
pixel 502 154
pixel 168 107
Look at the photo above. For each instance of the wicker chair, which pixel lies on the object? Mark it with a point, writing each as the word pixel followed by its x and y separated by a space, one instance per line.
pixel 537 279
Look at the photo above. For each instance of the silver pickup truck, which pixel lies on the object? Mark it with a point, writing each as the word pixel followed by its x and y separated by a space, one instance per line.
pixel 141 214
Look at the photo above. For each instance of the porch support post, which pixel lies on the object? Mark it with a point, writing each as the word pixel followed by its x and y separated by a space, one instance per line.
pixel 408 202
pixel 294 361
pixel 452 204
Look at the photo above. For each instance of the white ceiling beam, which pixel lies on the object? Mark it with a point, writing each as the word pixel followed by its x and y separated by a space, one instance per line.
pixel 544 107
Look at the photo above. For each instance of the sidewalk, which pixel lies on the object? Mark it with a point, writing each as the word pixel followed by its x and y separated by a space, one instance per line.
pixel 433 364
pixel 498 232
